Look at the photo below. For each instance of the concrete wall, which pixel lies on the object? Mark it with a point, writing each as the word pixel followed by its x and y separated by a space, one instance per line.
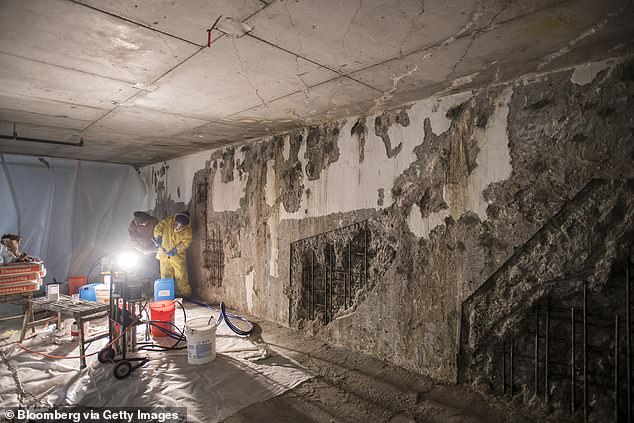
pixel 451 187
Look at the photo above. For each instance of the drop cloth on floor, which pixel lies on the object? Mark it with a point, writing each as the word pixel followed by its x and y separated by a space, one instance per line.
pixel 237 378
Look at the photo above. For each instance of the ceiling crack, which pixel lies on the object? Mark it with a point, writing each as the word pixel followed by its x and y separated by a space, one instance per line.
pixel 474 18
pixel 390 93
pixel 461 58
pixel 309 60
pixel 343 40
pixel 413 28
pixel 306 86
pixel 332 93
pixel 473 37
pixel 167 46
pixel 245 73
pixel 301 47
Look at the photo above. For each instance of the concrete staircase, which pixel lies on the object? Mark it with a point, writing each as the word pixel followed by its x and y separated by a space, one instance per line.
pixel 579 248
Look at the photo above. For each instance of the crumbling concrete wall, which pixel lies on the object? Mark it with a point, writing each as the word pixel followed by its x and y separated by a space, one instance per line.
pixel 451 187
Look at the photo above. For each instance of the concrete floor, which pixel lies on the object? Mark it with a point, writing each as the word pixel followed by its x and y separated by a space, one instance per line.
pixel 353 387
pixel 350 387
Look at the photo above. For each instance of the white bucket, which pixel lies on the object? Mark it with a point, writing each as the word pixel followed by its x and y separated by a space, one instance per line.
pixel 201 340
pixel 102 295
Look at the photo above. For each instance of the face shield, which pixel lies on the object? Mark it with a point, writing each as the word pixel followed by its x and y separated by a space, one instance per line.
pixel 178 227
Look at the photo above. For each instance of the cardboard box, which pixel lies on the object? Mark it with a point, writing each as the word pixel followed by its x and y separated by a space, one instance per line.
pixel 4 290
pixel 22 268
pixel 7 280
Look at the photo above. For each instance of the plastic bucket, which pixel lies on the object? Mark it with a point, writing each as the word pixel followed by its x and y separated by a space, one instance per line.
pixel 88 292
pixel 201 340
pixel 102 294
pixel 162 311
pixel 164 289
pixel 75 283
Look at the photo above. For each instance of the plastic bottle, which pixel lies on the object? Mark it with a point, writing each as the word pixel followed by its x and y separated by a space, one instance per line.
pixel 74 331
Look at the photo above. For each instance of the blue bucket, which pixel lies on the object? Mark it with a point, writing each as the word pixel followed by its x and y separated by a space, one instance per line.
pixel 164 289
pixel 88 292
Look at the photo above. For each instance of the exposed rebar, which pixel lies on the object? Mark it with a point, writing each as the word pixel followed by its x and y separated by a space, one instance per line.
pixel 616 368
pixel 547 332
pixel 348 286
pixel 585 352
pixel 512 363
pixel 503 368
pixel 536 350
pixel 628 330
pixel 312 285
pixel 572 361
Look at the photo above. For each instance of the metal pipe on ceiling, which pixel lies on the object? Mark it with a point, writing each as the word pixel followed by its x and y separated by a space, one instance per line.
pixel 15 137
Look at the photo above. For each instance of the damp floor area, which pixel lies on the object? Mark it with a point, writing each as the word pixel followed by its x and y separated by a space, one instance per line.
pixel 275 374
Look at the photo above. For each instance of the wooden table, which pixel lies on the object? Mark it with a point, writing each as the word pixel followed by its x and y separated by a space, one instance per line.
pixel 21 298
pixel 81 310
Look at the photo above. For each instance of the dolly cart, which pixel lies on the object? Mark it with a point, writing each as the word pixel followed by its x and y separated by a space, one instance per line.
pixel 127 302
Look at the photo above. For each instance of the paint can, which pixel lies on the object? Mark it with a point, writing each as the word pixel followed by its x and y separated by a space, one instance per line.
pixel 201 340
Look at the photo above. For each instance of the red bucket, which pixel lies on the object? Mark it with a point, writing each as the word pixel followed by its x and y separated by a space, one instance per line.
pixel 162 311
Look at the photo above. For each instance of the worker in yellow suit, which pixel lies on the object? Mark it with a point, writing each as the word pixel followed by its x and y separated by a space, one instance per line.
pixel 173 236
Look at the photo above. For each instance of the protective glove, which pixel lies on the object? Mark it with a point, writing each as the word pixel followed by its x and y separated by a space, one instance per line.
pixel 159 241
pixel 172 252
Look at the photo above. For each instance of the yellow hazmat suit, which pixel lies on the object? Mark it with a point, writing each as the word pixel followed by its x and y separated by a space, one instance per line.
pixel 176 265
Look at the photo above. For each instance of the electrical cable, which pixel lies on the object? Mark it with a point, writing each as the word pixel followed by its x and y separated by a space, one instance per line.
pixel 182 308
pixel 94 264
pixel 61 357
pixel 159 348
pixel 179 338
pixel 227 318
pixel 157 324
pixel 212 308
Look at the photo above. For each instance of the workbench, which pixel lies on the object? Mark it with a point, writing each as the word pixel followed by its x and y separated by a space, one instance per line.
pixel 21 299
pixel 81 310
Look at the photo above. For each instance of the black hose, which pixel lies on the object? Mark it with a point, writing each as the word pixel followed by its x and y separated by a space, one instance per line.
pixel 226 316
pixel 159 348
pixel 212 308
pixel 173 335
pixel 182 308
pixel 155 323
pixel 180 336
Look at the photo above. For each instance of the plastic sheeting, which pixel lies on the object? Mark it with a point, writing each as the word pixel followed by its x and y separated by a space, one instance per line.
pixel 68 212
pixel 241 375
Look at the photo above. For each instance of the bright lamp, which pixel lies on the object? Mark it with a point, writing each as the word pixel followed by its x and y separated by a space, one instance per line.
pixel 127 260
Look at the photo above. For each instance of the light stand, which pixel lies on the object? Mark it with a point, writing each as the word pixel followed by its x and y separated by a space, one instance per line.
pixel 126 305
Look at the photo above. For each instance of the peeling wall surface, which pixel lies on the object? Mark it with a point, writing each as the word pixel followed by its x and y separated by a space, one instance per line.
pixel 451 187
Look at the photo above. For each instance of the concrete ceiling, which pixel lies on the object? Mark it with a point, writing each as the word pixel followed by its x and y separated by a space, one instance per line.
pixel 136 81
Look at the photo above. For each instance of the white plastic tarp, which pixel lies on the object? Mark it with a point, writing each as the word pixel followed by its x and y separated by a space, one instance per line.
pixel 68 212
pixel 243 373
